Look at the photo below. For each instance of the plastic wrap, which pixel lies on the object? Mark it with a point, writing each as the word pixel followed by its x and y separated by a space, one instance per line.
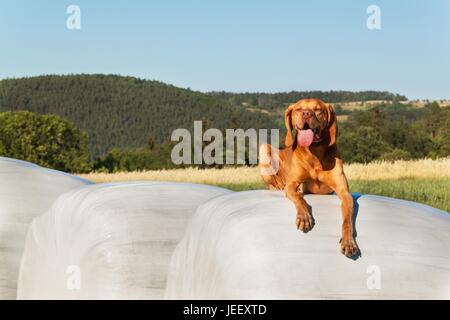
pixel 108 241
pixel 245 246
pixel 26 191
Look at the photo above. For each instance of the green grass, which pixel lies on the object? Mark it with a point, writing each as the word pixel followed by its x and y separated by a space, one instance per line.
pixel 433 192
pixel 243 186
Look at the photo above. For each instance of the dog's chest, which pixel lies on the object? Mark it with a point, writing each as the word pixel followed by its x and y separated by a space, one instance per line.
pixel 315 173
pixel 312 168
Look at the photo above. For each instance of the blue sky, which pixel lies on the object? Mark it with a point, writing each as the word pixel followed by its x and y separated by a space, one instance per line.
pixel 246 45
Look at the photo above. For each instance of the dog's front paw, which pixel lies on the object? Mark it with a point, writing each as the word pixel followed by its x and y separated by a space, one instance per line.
pixel 304 222
pixel 349 248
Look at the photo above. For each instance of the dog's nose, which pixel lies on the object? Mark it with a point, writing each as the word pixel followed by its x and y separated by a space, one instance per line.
pixel 306 114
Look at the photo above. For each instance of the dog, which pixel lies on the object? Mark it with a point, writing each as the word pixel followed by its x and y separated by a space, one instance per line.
pixel 310 163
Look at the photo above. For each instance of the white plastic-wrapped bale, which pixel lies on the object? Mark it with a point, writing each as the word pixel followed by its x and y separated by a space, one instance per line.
pixel 26 191
pixel 109 241
pixel 245 246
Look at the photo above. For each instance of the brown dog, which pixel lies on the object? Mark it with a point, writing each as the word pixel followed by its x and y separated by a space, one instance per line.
pixel 310 164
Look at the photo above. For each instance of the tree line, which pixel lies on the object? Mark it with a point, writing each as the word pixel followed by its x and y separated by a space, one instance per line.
pixel 395 131
pixel 274 101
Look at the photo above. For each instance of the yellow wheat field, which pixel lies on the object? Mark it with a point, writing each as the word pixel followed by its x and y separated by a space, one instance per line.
pixel 415 169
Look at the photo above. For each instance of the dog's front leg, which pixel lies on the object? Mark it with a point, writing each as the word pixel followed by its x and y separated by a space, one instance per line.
pixel 348 245
pixel 304 220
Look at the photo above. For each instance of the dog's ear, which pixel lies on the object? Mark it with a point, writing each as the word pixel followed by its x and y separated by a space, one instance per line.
pixel 331 123
pixel 288 123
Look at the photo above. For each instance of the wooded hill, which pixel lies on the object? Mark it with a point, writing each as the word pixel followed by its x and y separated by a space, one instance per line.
pixel 122 112
pixel 127 112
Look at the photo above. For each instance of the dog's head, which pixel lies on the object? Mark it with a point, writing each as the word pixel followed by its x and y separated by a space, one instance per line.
pixel 314 121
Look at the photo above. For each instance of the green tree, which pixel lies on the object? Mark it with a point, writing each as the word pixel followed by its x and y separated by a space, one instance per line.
pixel 138 159
pixel 363 145
pixel 48 140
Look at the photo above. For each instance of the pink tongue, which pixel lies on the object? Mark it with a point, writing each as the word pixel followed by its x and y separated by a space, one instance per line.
pixel 305 137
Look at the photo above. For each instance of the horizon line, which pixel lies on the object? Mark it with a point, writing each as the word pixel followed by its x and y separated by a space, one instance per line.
pixel 2 78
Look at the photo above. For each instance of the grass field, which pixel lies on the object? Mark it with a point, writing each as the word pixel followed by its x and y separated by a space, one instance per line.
pixel 425 181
